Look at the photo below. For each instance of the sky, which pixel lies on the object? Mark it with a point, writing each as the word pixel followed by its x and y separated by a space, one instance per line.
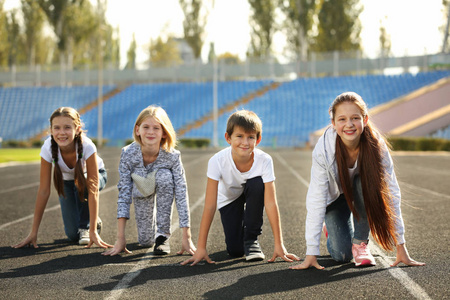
pixel 414 25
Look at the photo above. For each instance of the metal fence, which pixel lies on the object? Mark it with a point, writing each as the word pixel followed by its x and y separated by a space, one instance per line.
pixel 317 65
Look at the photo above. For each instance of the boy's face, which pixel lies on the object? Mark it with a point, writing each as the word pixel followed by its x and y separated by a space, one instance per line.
pixel 242 143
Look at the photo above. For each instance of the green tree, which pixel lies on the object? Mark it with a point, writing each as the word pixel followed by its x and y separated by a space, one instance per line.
pixel 385 41
pixel 14 38
pixel 339 27
pixel 193 25
pixel 298 23
pixel 164 54
pixel 81 23
pixel 446 10
pixel 33 20
pixel 262 22
pixel 229 59
pixel 3 37
pixel 131 55
pixel 56 13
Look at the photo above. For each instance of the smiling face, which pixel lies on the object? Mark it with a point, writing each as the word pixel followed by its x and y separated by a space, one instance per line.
pixel 150 132
pixel 349 123
pixel 242 143
pixel 63 130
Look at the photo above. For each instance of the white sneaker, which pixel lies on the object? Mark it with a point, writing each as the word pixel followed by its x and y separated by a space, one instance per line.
pixel 84 236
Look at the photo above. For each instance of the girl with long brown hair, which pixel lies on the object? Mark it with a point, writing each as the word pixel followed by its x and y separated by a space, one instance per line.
pixel 352 177
pixel 78 177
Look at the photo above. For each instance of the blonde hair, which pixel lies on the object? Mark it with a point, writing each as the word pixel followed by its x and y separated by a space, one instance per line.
pixel 374 178
pixel 80 180
pixel 247 120
pixel 169 142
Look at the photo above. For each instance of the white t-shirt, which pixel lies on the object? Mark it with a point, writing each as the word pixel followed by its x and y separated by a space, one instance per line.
pixel 89 148
pixel 222 168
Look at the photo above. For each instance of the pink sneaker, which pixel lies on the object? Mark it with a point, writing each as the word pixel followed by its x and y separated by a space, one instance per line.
pixel 362 256
pixel 325 231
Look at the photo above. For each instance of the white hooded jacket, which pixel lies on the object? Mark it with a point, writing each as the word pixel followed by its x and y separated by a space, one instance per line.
pixel 325 187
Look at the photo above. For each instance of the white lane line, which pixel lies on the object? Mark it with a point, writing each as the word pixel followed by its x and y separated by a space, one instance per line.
pixel 424 190
pixel 20 187
pixel 415 290
pixel 47 210
pixel 27 217
pixel 299 177
pixel 143 263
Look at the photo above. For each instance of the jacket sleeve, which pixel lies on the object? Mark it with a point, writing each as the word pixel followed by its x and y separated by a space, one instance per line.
pixel 181 192
pixel 394 190
pixel 316 204
pixel 124 186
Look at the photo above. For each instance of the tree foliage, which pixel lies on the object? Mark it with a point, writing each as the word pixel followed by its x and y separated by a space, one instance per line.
pixel 298 24
pixel 193 25
pixel 131 55
pixel 385 41
pixel 446 41
pixel 164 54
pixel 33 21
pixel 14 38
pixel 262 21
pixel 3 37
pixel 339 27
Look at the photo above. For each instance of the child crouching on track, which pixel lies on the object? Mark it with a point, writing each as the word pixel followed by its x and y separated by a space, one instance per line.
pixel 73 155
pixel 352 176
pixel 240 185
pixel 151 171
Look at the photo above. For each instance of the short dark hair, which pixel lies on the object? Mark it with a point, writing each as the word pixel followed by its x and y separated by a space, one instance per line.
pixel 247 120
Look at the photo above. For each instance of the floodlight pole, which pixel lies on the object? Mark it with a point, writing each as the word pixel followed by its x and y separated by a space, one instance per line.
pixel 215 104
pixel 100 77
pixel 215 101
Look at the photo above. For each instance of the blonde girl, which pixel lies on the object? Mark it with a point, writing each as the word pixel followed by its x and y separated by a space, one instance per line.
pixel 352 176
pixel 152 159
pixel 78 176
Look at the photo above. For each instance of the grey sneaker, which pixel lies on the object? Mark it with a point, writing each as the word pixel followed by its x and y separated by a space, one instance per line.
pixel 253 251
pixel 83 236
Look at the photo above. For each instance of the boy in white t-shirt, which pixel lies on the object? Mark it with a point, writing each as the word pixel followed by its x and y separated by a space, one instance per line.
pixel 240 185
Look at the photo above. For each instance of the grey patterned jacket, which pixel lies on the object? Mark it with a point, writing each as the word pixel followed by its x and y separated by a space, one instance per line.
pixel 131 161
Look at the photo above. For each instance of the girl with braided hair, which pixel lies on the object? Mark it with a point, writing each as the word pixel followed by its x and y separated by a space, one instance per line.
pixel 78 176
pixel 353 179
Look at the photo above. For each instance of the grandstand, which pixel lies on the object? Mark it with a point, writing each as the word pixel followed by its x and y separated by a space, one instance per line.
pixel 290 110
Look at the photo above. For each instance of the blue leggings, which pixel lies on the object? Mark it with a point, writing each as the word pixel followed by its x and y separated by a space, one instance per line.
pixel 75 213
pixel 338 219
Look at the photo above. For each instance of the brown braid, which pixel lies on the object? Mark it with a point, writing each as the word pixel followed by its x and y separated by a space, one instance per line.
pixel 57 174
pixel 80 180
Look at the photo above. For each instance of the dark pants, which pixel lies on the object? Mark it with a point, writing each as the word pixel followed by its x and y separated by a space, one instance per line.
pixel 242 219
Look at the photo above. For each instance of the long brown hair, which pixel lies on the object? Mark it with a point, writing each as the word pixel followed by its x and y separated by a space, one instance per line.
pixel 374 179
pixel 80 180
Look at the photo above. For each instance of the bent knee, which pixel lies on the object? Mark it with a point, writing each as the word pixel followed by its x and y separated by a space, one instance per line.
pixel 164 179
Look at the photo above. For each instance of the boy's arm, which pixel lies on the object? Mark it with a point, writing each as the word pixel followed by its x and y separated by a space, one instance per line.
pixel 271 206
pixel 208 215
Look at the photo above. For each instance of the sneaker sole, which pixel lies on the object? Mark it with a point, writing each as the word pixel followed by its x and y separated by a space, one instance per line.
pixel 83 242
pixel 255 257
pixel 160 252
pixel 365 262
